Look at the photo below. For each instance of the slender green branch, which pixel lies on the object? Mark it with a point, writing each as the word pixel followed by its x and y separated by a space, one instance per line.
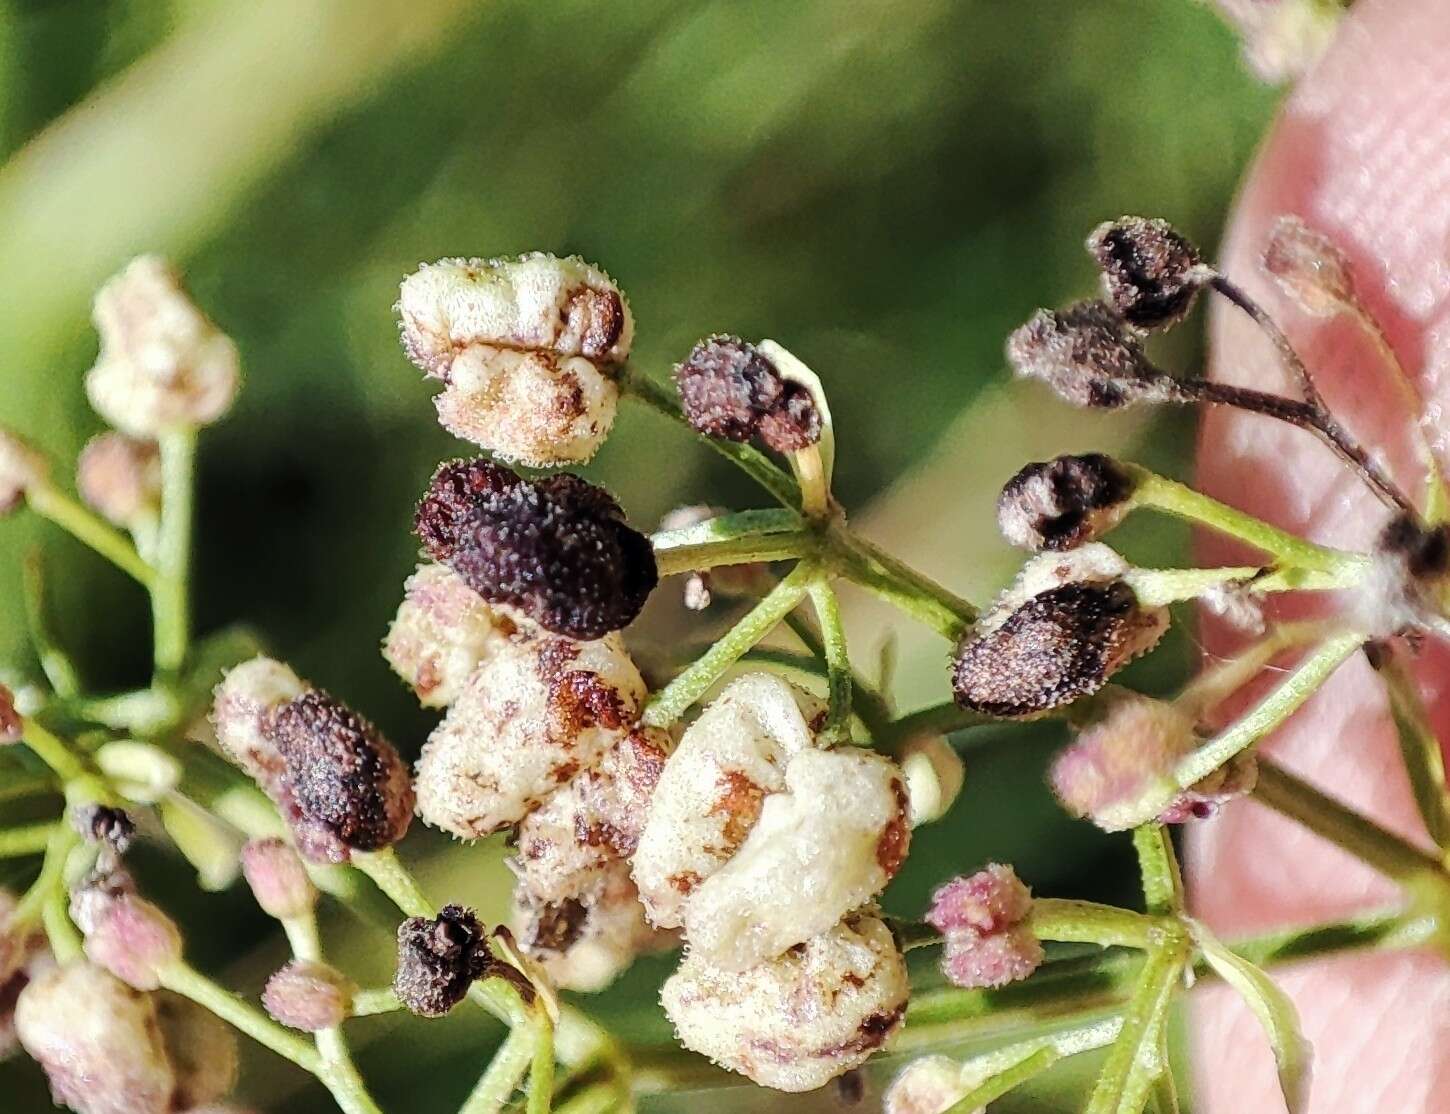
pixel 944 718
pixel 670 702
pixel 1156 587
pixel 180 978
pixel 1270 712
pixel 169 595
pixel 1087 922
pixel 541 1074
pixel 1162 884
pixel 1133 1064
pixel 1030 1066
pixel 635 384
pixel 54 752
pixel 60 930
pixel 50 502
pixel 1420 749
pixel 341 1076
pixel 745 550
pixel 56 664
pixel 870 705
pixel 25 839
pixel 901 586
pixel 597 1098
pixel 30 909
pixel 382 999
pixel 503 1075
pixel 838 660
pixel 728 527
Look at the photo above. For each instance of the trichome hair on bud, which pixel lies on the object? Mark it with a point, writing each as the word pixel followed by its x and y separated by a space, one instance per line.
pixel 1087 356
pixel 21 468
pixel 105 825
pixel 731 390
pixel 343 773
pixel 120 477
pixel 557 548
pixel 1309 268
pixel 439 958
pixel 1062 503
pixel 1068 624
pixel 1150 271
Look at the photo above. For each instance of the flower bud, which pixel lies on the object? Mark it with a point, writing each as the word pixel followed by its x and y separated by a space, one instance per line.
pixel 11 725
pixel 927 1085
pixel 98 1040
pixel 104 825
pixel 344 774
pixel 528 348
pixel 120 477
pixel 713 787
pixel 1151 273
pixel 825 845
pixel 308 995
pixel 162 365
pixel 1088 358
pixel 1310 268
pixel 730 389
pixel 593 821
pixel 531 717
pixel 557 548
pixel 439 959
pixel 442 631
pixel 127 935
pixel 202 1049
pixel 585 941
pixel 1119 772
pixel 1068 624
pixel 983 919
pixel 1060 504
pixel 934 776
pixel 21 468
pixel 801 1019
pixel 278 879
pixel 241 716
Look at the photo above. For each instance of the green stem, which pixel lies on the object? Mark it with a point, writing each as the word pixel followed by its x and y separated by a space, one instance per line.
pixel 1156 587
pixel 1420 749
pixel 635 384
pixel 1341 826
pixel 750 549
pixel 60 930
pixel 1087 922
pixel 1160 493
pixel 25 839
pixel 1132 1065
pixel 871 707
pixel 727 527
pixel 180 978
pixel 1272 711
pixel 382 999
pixel 1031 1065
pixel 1162 884
pixel 169 595
pixel 944 718
pixel 901 586
pixel 50 502
pixel 541 1074
pixel 51 750
pixel 340 1075
pixel 55 663
pixel 30 909
pixel 498 1083
pixel 597 1098
pixel 670 702
pixel 838 661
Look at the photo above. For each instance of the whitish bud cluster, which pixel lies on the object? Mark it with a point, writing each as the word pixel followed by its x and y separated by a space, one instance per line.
pixel 528 350
pixel 162 364
pixel 1060 504
pixel 799 1020
pixel 1282 39
pixel 21 468
pixel 1068 623
pixel 108 1048
pixel 1151 273
pixel 340 785
pixel 120 477
pixel 983 922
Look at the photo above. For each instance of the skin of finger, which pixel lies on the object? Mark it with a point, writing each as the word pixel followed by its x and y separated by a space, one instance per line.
pixel 1361 151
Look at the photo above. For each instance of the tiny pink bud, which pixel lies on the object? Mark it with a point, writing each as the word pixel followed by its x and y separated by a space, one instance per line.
pixel 131 938
pixel 308 996
pixel 278 879
pixel 992 900
pixel 10 722
pixel 989 962
pixel 120 477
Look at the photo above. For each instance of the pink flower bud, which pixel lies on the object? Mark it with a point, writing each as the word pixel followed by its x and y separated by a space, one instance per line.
pixel 120 477
pixel 21 468
pixel 983 919
pixel 10 722
pixel 278 879
pixel 98 1040
pixel 991 961
pixel 309 996
pixel 129 937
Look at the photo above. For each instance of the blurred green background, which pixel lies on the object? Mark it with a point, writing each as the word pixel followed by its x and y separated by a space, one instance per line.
pixel 886 187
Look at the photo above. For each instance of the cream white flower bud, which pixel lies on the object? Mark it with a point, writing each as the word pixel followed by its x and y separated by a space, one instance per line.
pixel 243 704
pixel 442 631
pixel 120 477
pixel 21 468
pixel 934 776
pixel 98 1040
pixel 928 1085
pixel 712 789
pixel 309 996
pixel 567 843
pixel 826 844
pixel 536 713
pixel 202 1049
pixel 163 365
pixel 527 348
pixel 801 1019
pixel 278 879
